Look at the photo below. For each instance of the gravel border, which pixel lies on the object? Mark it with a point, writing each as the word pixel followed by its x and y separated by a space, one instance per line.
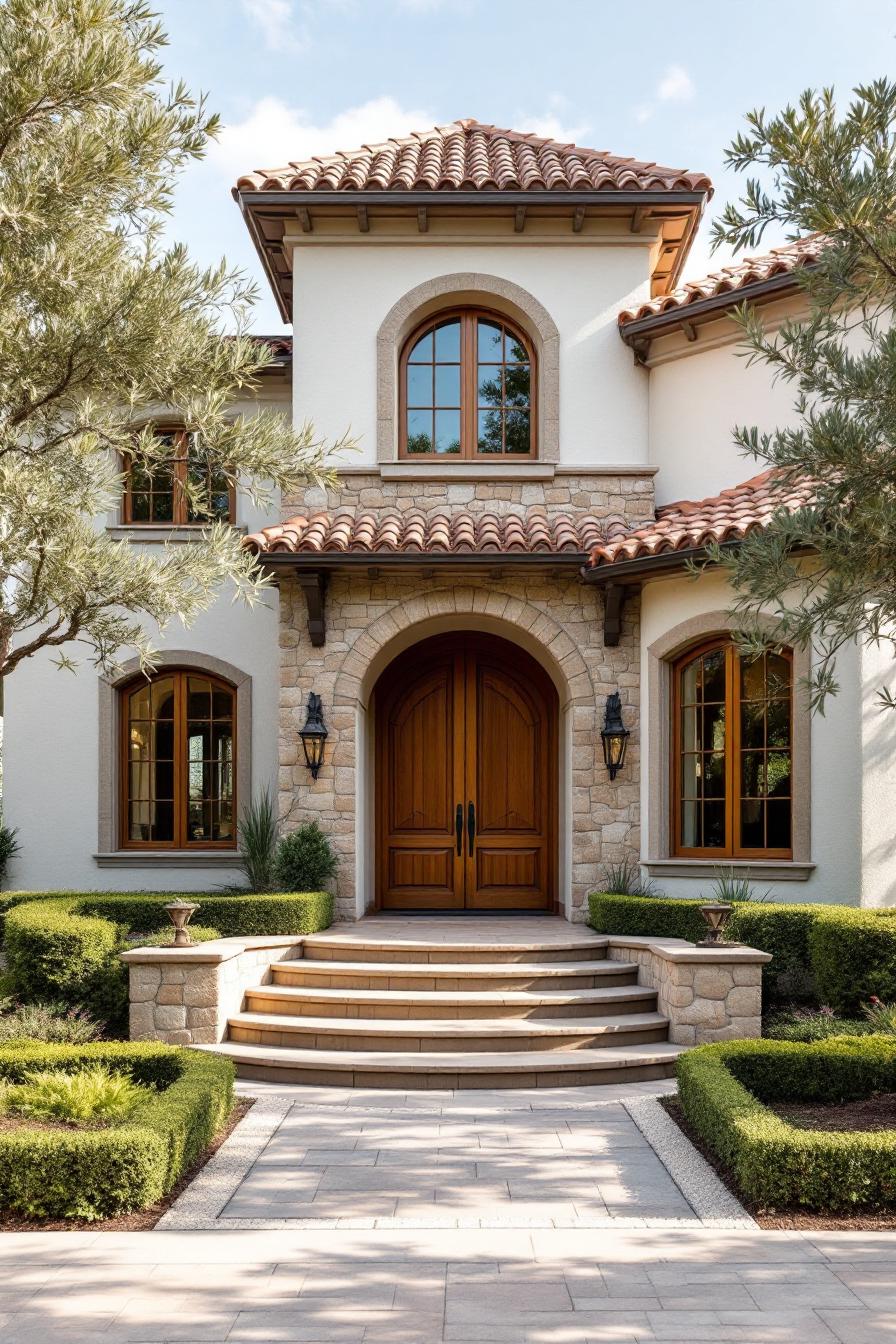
pixel 712 1202
pixel 200 1206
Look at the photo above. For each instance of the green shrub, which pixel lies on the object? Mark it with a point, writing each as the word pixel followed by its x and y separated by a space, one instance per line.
pixel 810 944
pixel 853 954
pixel 258 831
pixel 98 1173
pixel 56 1023
pixel 94 1094
pixel 777 1165
pixel 812 1024
pixel 9 847
pixel 66 947
pixel 304 859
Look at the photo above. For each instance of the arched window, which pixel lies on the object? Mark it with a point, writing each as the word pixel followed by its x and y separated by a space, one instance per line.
pixel 468 388
pixel 177 762
pixel 732 778
pixel 161 498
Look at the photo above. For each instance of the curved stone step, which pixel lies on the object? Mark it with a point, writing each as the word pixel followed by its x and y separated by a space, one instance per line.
pixel 467 1034
pixel 406 1070
pixel 397 1004
pixel 345 947
pixel 454 975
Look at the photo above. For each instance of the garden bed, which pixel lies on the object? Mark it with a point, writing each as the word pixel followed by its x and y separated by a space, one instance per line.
pixel 90 1173
pixel 771 1117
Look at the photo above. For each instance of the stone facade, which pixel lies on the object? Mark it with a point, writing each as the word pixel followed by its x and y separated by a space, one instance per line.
pixel 707 993
pixel 549 610
pixel 628 496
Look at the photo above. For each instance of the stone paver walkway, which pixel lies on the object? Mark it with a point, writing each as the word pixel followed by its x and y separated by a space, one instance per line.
pixel 549 1286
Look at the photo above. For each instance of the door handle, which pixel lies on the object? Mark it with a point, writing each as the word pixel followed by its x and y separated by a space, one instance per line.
pixel 471 825
pixel 459 827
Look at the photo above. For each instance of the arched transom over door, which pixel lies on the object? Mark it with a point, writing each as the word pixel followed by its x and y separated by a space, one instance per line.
pixel 466 778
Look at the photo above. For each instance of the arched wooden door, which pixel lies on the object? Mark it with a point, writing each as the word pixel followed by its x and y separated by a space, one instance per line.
pixel 466 778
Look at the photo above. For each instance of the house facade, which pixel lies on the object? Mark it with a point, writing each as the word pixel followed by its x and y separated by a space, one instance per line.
pixel 497 321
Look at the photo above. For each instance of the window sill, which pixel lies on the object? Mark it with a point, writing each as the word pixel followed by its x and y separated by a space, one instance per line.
pixel 771 870
pixel 169 858
pixel 466 469
pixel 149 532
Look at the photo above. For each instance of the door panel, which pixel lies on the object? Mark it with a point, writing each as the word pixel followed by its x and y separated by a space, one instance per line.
pixel 466 721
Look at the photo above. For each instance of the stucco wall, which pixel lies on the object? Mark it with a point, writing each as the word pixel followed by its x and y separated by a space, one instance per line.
pixel 50 755
pixel 343 292
pixel 836 757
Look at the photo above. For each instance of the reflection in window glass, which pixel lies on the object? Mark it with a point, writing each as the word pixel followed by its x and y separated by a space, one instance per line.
pixel 179 767
pixel 734 790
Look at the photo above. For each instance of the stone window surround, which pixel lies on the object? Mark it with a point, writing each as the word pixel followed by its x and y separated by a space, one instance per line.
pixel 109 852
pixel 450 290
pixel 660 862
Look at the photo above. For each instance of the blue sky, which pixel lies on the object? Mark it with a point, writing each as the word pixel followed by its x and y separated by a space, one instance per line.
pixel 662 82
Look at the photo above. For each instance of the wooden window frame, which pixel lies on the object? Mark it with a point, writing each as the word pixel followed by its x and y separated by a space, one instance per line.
pixel 732 849
pixel 469 404
pixel 181 788
pixel 179 503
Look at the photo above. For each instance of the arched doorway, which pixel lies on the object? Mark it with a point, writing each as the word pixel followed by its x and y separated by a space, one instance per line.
pixel 466 778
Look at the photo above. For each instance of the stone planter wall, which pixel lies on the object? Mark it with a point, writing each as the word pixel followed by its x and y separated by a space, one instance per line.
pixel 184 995
pixel 707 993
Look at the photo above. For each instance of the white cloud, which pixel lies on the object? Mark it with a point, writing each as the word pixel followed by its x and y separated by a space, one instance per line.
pixel 274 133
pixel 278 24
pixel 554 122
pixel 676 85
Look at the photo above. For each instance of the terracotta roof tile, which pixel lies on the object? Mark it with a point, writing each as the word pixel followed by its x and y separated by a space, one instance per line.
pixel 732 279
pixel 370 532
pixel 469 155
pixel 689 524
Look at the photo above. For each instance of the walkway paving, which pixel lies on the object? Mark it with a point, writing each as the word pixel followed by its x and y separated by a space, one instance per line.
pixel 363 1217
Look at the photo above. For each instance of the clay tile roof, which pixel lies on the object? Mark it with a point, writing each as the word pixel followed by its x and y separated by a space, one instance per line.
pixel 368 532
pixel 690 524
pixel 732 279
pixel 281 346
pixel 471 156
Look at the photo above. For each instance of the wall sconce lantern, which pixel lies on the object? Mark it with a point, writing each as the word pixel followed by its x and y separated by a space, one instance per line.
pixel 614 735
pixel 314 735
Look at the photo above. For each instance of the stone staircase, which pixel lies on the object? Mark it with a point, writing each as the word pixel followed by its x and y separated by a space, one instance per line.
pixel 423 1013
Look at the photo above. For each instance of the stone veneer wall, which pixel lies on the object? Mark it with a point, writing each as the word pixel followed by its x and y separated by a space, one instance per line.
pixel 605 495
pixel 707 993
pixel 553 610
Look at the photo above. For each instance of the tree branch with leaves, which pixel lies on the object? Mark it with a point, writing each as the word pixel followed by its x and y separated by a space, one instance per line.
pixel 102 322
pixel 827 572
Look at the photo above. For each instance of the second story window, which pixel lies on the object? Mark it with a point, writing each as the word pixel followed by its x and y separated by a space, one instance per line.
pixel 162 496
pixel 468 389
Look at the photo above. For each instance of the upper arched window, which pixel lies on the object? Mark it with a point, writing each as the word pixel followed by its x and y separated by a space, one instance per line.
pixel 732 770
pixel 468 388
pixel 177 762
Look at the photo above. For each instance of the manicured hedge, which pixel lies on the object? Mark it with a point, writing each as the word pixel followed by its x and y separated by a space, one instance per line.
pixel 776 1165
pixel 834 954
pixel 66 947
pixel 98 1173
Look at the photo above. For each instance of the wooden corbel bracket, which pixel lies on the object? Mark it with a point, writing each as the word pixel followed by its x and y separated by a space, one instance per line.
pixel 314 586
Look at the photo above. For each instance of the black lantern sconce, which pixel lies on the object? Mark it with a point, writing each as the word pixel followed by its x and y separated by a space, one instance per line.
pixel 614 735
pixel 314 735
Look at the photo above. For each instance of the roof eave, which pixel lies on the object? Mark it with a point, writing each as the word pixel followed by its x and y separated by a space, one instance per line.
pixel 317 560
pixel 453 196
pixel 644 566
pixel 658 324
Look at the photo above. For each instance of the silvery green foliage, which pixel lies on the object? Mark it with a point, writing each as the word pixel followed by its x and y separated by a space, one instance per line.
pixel 102 323
pixel 831 171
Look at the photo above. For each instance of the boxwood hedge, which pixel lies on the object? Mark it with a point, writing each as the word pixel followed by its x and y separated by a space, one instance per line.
pixel 834 954
pixel 65 946
pixel 98 1173
pixel 776 1165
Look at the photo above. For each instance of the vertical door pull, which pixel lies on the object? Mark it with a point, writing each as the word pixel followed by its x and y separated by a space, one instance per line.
pixel 471 825
pixel 459 827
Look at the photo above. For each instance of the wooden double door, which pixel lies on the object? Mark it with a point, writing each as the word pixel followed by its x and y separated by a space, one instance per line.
pixel 466 778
